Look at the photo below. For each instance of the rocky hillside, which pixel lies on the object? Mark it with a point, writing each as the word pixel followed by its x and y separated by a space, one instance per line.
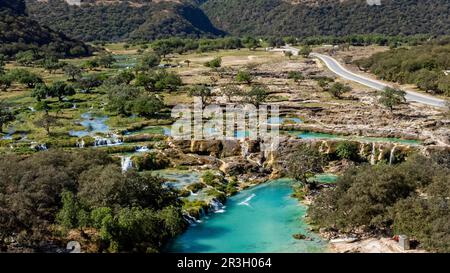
pixel 97 20
pixel 329 17
pixel 114 20
pixel 18 32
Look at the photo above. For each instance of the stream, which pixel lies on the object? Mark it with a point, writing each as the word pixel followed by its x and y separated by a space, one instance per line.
pixel 261 219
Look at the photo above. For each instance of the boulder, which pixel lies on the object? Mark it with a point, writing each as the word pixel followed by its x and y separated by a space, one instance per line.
pixel 206 147
pixel 231 148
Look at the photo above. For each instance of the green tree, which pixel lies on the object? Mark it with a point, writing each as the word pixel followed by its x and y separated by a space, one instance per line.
pixel 230 91
pixel 125 76
pixel 46 121
pixel 6 81
pixel 43 106
pixel 214 63
pixel 40 91
pixel 304 163
pixel 444 85
pixel 296 76
pixel 391 97
pixel 25 58
pixel 60 89
pixel 347 150
pixel 251 43
pixel 25 77
pixel 105 60
pixel 148 62
pixel 338 89
pixel 67 217
pixel 244 76
pixel 305 51
pixel 72 71
pixel 121 98
pixel 203 92
pixel 6 116
pixel 148 105
pixel 257 95
pixel 91 64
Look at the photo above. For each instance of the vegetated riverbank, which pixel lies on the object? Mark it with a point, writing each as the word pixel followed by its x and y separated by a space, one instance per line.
pixel 371 205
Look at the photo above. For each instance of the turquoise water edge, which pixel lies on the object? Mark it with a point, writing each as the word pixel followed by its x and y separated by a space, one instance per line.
pixel 257 220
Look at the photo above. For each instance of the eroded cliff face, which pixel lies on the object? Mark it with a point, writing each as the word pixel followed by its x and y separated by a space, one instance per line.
pixel 247 161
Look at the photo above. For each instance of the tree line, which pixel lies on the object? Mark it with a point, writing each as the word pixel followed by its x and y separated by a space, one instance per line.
pixel 46 195
pixel 425 65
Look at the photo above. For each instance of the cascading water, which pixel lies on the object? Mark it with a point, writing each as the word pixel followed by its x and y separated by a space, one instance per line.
pixel 372 155
pixel 39 147
pixel 216 206
pixel 126 163
pixel 113 140
pixel 80 143
pixel 392 156
pixel 190 219
pixel 142 149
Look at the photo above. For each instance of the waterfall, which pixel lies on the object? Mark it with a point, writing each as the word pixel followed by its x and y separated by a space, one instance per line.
pixel 392 156
pixel 190 219
pixel 80 143
pixel 107 141
pixel 38 147
pixel 216 206
pixel 361 150
pixel 126 163
pixel 372 155
pixel 142 149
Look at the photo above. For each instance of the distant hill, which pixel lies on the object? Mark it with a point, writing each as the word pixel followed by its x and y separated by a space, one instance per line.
pixel 113 20
pixel 329 17
pixel 18 32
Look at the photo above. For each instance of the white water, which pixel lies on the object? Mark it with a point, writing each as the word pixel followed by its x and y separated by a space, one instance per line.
pixel 142 149
pixel 39 147
pixel 113 140
pixel 80 143
pixel 216 206
pixel 391 157
pixel 126 163
pixel 246 202
pixel 372 155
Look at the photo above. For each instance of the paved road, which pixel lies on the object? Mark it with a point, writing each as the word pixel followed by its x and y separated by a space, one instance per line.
pixel 338 69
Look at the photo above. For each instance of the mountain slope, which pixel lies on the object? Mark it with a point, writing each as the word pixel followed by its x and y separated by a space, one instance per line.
pixel 329 17
pixel 18 32
pixel 123 19
pixel 113 20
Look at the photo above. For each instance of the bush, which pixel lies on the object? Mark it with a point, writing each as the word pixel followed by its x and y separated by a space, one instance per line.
pixel 347 150
pixel 215 63
pixel 150 161
pixel 410 198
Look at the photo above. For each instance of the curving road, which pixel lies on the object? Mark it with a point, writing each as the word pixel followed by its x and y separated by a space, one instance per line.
pixel 338 69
